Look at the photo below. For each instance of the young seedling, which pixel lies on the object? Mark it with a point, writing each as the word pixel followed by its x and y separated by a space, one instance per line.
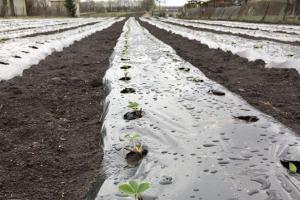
pixel 134 188
pixel 292 168
pixel 136 111
pixel 174 59
pixel 132 139
pixel 134 106
pixel 194 79
pixel 2 40
pixel 258 46
pixel 125 73
pixel 125 77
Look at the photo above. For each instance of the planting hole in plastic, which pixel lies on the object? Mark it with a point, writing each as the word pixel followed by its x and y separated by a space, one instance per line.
pixel 247 118
pixel 286 164
pixel 185 69
pixel 134 158
pixel 125 67
pixel 33 47
pixel 127 90
pixel 217 92
pixel 125 78
pixel 3 63
pixel 134 115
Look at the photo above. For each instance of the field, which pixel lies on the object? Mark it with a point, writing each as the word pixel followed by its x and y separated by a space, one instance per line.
pixel 198 109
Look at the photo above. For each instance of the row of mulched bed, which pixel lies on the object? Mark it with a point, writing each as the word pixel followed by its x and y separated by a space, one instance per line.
pixel 273 91
pixel 50 147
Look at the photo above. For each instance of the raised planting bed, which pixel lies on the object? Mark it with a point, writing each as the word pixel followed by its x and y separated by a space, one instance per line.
pixel 20 54
pixel 199 145
pixel 274 54
pixel 50 147
pixel 272 90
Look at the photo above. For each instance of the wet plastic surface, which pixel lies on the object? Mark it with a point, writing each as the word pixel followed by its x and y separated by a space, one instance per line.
pixel 197 149
pixel 274 54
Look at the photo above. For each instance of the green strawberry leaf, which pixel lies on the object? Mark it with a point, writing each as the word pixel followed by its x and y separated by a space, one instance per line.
pixel 143 187
pixel 292 167
pixel 127 189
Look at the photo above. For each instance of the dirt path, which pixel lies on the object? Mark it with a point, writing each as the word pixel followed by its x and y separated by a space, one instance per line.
pixel 49 122
pixel 273 91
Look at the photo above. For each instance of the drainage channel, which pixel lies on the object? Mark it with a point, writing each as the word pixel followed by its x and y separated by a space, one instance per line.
pixel 197 139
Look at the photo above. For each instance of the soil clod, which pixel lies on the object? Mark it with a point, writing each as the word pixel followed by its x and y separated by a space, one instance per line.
pixel 165 180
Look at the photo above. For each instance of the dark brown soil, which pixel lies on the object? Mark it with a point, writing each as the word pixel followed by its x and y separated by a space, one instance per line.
pixel 59 30
pixel 235 34
pixel 50 144
pixel 273 91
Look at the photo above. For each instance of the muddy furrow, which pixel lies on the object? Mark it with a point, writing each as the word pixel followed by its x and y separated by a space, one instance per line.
pixel 272 90
pixel 50 146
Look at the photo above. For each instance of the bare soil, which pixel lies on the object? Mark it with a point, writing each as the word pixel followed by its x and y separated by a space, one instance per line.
pixel 50 144
pixel 274 91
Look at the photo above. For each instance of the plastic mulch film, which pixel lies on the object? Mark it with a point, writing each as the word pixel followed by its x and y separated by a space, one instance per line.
pixel 203 141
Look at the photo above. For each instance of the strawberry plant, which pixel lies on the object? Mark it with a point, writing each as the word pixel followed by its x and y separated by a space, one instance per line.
pixel 136 147
pixel 292 168
pixel 133 105
pixel 136 112
pixel 134 188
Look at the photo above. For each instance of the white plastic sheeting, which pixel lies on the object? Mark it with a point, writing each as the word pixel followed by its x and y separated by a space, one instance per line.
pixel 273 53
pixel 191 135
pixel 19 54
pixel 292 29
pixel 286 37
pixel 15 30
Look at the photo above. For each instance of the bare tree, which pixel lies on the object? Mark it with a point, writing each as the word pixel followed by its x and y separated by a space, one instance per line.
pixel 44 4
pixel 30 7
